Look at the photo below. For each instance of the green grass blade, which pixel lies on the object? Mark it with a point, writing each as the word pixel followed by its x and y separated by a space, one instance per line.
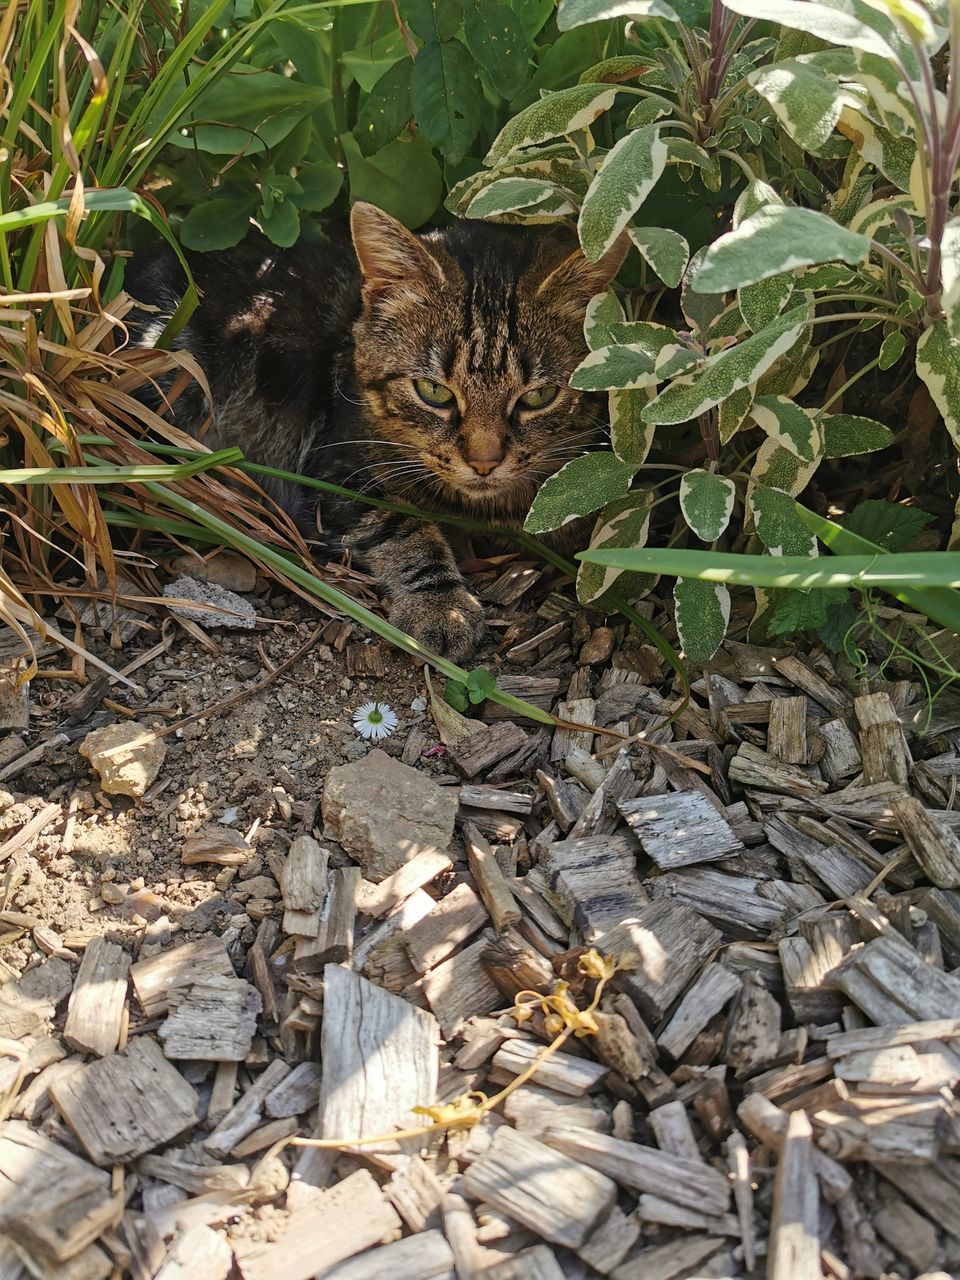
pixel 939 604
pixel 799 573
pixel 104 473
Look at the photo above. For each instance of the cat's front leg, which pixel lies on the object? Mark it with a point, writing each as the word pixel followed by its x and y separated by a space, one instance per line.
pixel 428 597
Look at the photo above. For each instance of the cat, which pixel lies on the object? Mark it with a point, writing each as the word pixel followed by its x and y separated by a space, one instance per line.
pixel 426 368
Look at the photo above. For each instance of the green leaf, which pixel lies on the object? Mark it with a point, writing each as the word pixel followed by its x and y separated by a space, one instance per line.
pixel 848 434
pixel 556 165
pixel 789 425
pixel 432 19
pixel 533 14
pixel 387 109
pixel 495 36
pixel 648 111
pixel 797 611
pixel 778 526
pixel 776 238
pixel 854 24
pixel 778 468
pixel 950 274
pixel 455 695
pixel 368 63
pixel 762 302
pixel 892 348
pixel 446 96
pixel 726 372
pixel 841 616
pixel 630 437
pixel 320 185
pixel 702 612
pixel 806 103
pixel 626 177
pixel 583 485
pixel 733 412
pixel 699 309
pixel 217 224
pixel 666 252
pixel 624 522
pixel 403 178
pixel 603 310
pixel 507 195
pixel 281 224
pixel 576 13
pixel 480 685
pixel 245 112
pixel 627 66
pixel 754 196
pixel 619 367
pixel 558 114
pixel 706 501
pixel 888 524
pixel 938 364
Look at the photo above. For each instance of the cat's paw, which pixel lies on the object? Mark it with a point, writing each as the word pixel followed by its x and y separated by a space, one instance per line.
pixel 449 622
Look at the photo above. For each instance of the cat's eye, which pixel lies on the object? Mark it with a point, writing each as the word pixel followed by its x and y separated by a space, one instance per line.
pixel 538 397
pixel 434 394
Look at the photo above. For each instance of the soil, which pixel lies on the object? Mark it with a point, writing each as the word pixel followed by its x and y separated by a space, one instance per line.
pixel 258 764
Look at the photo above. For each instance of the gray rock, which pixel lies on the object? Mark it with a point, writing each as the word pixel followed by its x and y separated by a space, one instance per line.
pixel 226 608
pixel 384 813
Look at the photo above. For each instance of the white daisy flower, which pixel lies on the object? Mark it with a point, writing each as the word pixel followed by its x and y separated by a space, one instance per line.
pixel 375 720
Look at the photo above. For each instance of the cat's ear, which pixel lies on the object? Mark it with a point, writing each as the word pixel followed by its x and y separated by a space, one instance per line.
pixel 576 277
pixel 391 257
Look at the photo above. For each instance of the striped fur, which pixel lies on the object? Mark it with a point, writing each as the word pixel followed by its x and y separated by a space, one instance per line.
pixel 313 357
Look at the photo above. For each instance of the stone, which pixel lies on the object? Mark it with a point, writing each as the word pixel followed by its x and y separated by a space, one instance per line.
pixel 385 813
pixel 224 608
pixel 229 570
pixel 135 765
pixel 597 647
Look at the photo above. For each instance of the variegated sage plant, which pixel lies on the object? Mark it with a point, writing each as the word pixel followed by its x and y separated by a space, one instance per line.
pixel 851 84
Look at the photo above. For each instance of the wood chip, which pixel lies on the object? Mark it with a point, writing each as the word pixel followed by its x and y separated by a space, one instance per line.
pixel 211 1021
pixel 96 1011
pixel 492 883
pixel 461 988
pixel 679 829
pixel 561 1071
pixel 380 1059
pixel 559 1198
pixel 794 1251
pixel 685 1182
pixel 671 943
pixel 324 1230
pixel 334 936
pixel 154 978
pixel 453 920
pixel 51 1201
pixel 124 1105
pixel 711 991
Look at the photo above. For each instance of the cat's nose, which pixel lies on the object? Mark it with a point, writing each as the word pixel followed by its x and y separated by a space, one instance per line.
pixel 483 466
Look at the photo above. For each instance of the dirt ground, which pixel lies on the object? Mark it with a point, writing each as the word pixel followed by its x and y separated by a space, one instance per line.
pixel 258 765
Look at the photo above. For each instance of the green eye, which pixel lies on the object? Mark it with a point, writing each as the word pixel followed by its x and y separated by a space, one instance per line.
pixel 433 393
pixel 538 397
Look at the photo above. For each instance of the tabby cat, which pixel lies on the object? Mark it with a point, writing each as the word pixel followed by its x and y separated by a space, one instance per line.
pixel 430 368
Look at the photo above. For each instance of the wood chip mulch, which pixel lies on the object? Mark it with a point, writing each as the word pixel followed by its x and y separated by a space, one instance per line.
pixel 773 1086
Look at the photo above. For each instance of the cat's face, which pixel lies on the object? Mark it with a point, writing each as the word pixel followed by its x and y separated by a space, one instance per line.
pixel 463 352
